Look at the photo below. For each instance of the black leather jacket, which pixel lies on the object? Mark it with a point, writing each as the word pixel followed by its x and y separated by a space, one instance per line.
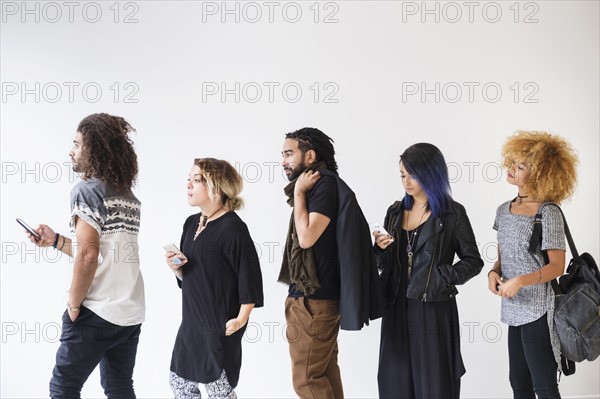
pixel 434 276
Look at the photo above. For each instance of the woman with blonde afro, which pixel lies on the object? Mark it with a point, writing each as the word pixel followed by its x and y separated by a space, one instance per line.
pixel 542 167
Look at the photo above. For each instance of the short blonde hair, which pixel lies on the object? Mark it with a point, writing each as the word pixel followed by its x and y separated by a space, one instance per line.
pixel 552 161
pixel 222 179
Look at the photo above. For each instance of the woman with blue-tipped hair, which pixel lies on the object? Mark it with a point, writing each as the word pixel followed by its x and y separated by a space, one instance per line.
pixel 420 338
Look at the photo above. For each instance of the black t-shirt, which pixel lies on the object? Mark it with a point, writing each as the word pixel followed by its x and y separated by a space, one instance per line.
pixel 223 271
pixel 323 199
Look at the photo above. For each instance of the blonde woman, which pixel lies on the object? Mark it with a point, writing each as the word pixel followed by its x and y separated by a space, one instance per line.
pixel 542 167
pixel 221 283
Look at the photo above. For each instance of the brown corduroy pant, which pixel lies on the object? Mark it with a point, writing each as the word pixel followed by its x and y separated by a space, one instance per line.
pixel 312 331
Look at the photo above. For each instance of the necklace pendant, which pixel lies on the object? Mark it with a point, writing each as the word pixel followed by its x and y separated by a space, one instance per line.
pixel 409 248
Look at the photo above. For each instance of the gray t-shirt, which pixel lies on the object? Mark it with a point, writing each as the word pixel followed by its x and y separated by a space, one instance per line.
pixel 514 233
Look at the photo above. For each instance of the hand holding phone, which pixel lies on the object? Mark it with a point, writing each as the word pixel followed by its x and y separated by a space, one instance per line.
pixel 377 227
pixel 29 229
pixel 179 256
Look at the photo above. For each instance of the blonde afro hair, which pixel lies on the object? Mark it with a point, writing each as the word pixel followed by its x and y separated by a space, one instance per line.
pixel 552 161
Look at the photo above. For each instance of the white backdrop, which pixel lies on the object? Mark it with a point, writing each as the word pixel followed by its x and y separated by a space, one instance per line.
pixel 228 79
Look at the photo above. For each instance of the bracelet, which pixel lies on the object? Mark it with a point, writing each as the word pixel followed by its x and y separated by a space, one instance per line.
pixel 495 271
pixel 63 243
pixel 540 277
pixel 55 240
pixel 73 308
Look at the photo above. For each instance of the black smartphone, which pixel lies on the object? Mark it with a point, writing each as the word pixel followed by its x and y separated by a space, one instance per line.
pixel 29 229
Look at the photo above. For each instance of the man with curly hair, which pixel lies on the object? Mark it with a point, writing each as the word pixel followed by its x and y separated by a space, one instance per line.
pixel 105 306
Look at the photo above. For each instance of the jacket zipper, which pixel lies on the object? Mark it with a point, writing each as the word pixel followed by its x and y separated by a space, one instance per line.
pixel 399 265
pixel 392 223
pixel 424 298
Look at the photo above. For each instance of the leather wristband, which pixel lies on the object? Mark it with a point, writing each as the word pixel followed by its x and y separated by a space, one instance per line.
pixel 494 271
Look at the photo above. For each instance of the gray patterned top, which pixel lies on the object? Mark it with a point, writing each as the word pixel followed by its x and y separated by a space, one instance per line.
pixel 117 291
pixel 533 301
pixel 514 233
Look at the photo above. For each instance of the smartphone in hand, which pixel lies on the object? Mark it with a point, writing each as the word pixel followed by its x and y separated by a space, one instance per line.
pixel 375 226
pixel 29 229
pixel 178 253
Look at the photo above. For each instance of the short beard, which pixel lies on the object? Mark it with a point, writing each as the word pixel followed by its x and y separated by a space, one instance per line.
pixel 297 172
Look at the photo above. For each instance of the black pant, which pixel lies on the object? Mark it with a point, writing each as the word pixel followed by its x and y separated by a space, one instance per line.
pixel 88 341
pixel 533 369
pixel 419 354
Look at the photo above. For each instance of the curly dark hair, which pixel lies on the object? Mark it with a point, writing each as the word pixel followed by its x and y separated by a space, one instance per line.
pixel 310 138
pixel 108 151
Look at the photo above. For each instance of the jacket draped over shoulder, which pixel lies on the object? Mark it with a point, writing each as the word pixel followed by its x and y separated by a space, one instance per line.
pixel 360 295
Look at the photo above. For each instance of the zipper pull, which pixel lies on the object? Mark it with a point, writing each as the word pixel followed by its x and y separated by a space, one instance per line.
pixel 424 299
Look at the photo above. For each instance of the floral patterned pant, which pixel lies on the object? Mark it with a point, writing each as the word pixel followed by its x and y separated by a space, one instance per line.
pixel 186 389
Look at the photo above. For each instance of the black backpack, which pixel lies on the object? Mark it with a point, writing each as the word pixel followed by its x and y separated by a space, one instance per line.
pixel 577 306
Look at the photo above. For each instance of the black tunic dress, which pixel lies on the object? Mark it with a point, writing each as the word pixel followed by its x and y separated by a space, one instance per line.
pixel 222 272
pixel 419 354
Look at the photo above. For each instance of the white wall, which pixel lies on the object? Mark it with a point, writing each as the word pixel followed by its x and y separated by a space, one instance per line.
pixel 367 62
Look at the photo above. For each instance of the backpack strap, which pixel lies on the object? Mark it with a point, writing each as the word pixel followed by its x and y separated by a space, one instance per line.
pixel 535 241
pixel 536 235
pixel 568 366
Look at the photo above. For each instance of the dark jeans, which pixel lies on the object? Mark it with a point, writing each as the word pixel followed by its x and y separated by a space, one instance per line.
pixel 88 341
pixel 533 369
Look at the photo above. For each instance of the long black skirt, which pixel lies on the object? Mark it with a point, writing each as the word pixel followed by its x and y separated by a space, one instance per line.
pixel 419 354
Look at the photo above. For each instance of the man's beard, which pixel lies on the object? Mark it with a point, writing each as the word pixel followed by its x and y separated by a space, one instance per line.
pixel 76 167
pixel 297 172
